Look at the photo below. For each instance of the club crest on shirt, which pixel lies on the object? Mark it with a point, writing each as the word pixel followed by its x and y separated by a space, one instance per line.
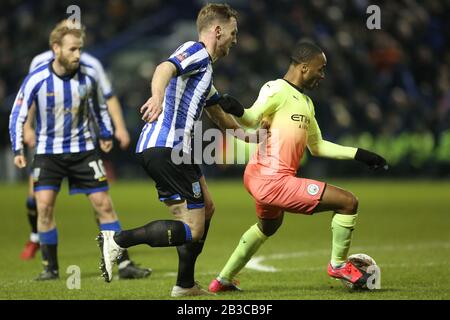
pixel 196 189
pixel 82 91
pixel 180 57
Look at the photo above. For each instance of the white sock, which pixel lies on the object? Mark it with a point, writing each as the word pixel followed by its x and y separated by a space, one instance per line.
pixel 34 237
pixel 124 264
pixel 223 281
pixel 337 265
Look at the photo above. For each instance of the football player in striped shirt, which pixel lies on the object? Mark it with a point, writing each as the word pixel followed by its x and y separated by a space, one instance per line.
pixel 181 88
pixel 120 133
pixel 127 268
pixel 65 93
pixel 270 176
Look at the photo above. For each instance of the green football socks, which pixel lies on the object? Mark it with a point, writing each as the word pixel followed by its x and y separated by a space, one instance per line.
pixel 342 227
pixel 250 242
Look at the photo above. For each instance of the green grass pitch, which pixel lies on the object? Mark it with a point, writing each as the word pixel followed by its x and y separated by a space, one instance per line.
pixel 403 225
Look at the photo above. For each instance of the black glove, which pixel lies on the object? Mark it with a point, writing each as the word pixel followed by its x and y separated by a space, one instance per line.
pixel 230 105
pixel 373 160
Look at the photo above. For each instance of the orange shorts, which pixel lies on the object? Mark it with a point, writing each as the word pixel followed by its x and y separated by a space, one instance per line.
pixel 282 193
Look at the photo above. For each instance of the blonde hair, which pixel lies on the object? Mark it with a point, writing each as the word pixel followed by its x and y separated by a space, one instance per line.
pixel 63 28
pixel 214 11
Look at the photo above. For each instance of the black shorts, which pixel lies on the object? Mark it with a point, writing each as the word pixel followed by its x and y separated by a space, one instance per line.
pixel 84 171
pixel 173 181
pixel 29 156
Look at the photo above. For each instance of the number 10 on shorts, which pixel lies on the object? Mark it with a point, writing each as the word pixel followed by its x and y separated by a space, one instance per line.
pixel 99 169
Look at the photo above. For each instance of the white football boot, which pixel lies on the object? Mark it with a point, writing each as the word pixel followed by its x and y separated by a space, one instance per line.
pixel 196 290
pixel 110 251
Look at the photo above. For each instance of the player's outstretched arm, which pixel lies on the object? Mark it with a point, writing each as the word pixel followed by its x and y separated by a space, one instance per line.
pixel 326 149
pixel 152 108
pixel 268 101
pixel 246 117
pixel 227 122
pixel 270 98
pixel 231 105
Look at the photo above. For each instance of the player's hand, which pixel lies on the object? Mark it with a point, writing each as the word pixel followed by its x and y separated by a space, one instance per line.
pixel 106 145
pixel 151 109
pixel 20 161
pixel 29 136
pixel 123 137
pixel 373 160
pixel 231 105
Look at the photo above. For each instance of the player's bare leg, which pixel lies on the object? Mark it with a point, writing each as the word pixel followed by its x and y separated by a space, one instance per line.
pixel 188 252
pixel 337 200
pixel 194 218
pixel 345 206
pixel 109 221
pixel 270 226
pixel 102 204
pixel 48 234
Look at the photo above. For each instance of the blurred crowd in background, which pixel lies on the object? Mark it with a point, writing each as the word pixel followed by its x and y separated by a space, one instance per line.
pixel 386 89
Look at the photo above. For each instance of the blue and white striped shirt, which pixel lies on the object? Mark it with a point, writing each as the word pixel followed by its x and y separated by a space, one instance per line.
pixel 63 105
pixel 85 58
pixel 184 99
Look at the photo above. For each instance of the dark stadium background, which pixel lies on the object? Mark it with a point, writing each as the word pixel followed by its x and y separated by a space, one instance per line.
pixel 387 90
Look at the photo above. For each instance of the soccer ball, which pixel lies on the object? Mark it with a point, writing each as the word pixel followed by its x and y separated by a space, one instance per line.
pixel 370 270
